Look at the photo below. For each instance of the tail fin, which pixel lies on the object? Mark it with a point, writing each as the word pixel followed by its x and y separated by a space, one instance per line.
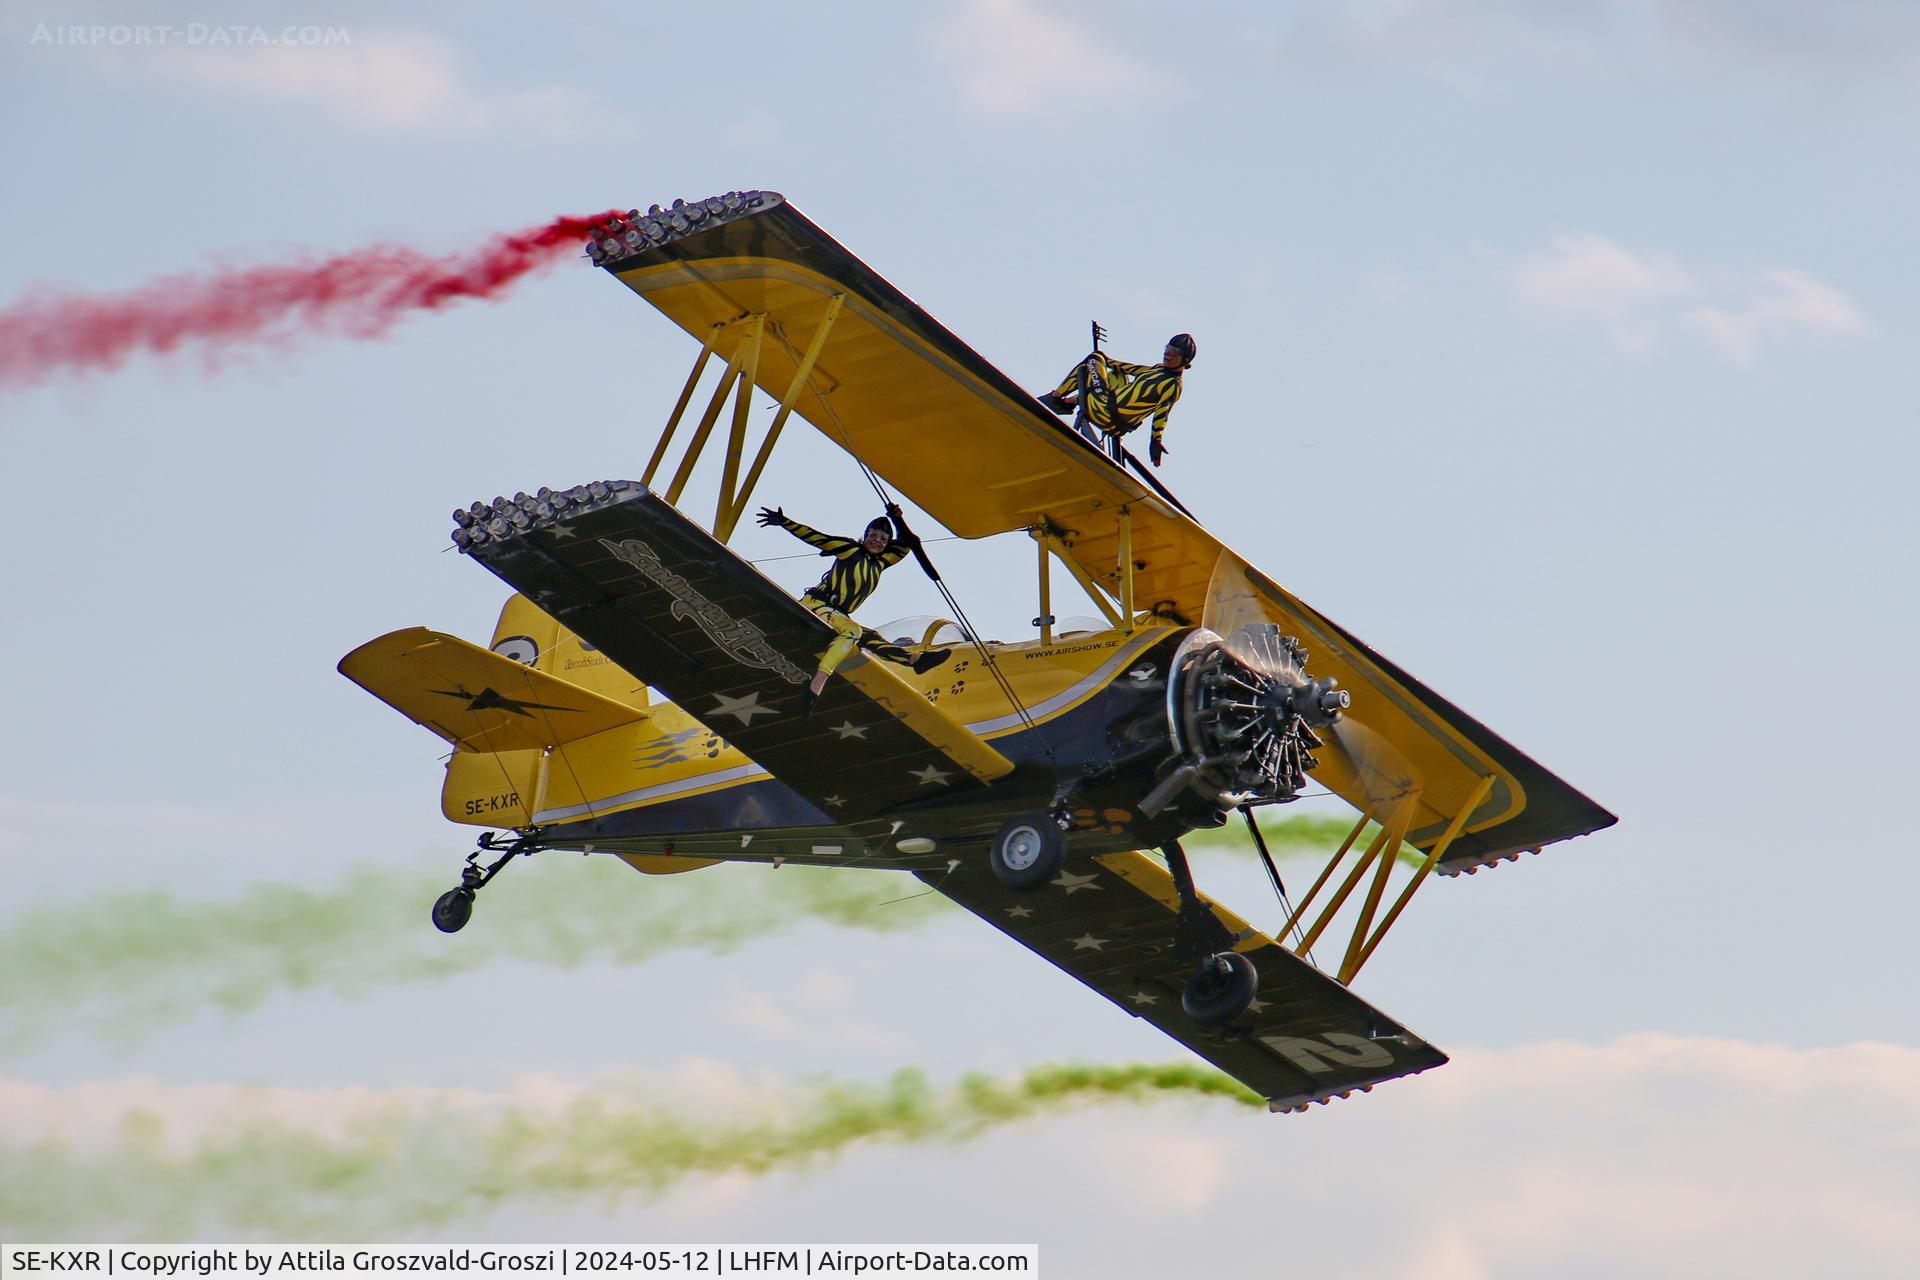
pixel 529 634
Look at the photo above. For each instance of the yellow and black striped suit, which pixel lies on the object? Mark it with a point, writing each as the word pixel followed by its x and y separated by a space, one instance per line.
pixel 1120 396
pixel 856 571
pixel 845 587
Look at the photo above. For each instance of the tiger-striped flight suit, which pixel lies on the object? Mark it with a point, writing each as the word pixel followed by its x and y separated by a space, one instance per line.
pixel 845 587
pixel 1120 396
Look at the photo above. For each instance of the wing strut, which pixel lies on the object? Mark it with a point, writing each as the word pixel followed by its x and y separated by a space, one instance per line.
pixel 1406 895
pixel 1382 852
pixel 743 364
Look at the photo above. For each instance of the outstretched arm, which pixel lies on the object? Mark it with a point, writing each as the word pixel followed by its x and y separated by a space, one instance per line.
pixel 828 544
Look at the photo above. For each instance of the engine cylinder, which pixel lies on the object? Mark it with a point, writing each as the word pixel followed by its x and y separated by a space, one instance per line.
pixel 1242 711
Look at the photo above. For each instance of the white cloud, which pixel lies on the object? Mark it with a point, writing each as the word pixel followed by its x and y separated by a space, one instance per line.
pixel 1586 274
pixel 386 80
pixel 813 1012
pixel 1638 297
pixel 1784 302
pixel 1161 1171
pixel 1660 1152
pixel 1012 59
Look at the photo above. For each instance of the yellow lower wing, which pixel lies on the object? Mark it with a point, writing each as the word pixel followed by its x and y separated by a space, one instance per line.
pixel 906 704
pixel 476 699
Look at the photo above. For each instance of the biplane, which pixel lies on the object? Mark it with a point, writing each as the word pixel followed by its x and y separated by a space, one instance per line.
pixel 642 693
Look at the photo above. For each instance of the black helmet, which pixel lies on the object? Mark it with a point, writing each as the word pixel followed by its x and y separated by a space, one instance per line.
pixel 1184 344
pixel 883 524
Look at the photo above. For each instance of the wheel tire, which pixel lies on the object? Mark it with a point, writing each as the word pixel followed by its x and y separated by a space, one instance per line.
pixel 1027 852
pixel 1222 990
pixel 452 910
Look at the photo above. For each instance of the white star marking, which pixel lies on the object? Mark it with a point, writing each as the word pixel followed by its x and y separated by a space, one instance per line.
pixel 835 801
pixel 1256 1004
pixel 1144 997
pixel 1073 883
pixel 850 730
pixel 741 709
pixel 930 775
pixel 1087 942
pixel 1019 913
pixel 561 531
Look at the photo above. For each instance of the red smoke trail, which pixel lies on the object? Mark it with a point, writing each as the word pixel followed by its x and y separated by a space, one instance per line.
pixel 358 294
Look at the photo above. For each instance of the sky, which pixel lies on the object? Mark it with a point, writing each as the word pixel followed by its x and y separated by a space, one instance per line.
pixel 1554 350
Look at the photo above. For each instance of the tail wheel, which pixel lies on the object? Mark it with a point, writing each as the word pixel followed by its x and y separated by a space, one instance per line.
pixel 1028 851
pixel 1221 990
pixel 452 910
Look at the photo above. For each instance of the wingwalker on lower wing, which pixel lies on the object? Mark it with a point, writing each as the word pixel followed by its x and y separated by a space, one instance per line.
pixel 646 692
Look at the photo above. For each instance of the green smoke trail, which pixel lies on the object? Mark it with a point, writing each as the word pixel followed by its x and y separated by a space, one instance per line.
pixel 1304 834
pixel 392 1169
pixel 125 964
pixel 129 962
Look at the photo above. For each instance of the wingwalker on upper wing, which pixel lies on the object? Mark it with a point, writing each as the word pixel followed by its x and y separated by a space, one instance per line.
pixel 662 714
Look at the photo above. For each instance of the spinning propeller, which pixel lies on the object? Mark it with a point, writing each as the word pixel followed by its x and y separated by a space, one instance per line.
pixel 1356 761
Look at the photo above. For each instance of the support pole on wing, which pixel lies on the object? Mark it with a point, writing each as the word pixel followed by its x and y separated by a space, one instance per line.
pixel 1385 845
pixel 748 360
pixel 712 414
pixel 1326 873
pixel 680 405
pixel 1045 620
pixel 1434 855
pixel 800 376
pixel 1382 871
pixel 1052 539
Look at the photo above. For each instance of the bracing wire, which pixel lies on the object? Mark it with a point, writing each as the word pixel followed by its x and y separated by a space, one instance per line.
pixel 960 614
pixel 1273 872
pixel 810 555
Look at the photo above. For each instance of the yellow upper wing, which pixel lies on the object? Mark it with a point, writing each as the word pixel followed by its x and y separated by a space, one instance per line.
pixel 980 454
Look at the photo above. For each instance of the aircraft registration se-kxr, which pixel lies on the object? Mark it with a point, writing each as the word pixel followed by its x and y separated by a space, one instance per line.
pixel 645 692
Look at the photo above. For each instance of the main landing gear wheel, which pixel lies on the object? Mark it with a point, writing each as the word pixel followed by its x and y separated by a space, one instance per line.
pixel 452 910
pixel 1028 851
pixel 1222 990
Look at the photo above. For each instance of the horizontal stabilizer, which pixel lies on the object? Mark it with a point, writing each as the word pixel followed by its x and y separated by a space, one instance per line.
pixel 476 699
pixel 1109 921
